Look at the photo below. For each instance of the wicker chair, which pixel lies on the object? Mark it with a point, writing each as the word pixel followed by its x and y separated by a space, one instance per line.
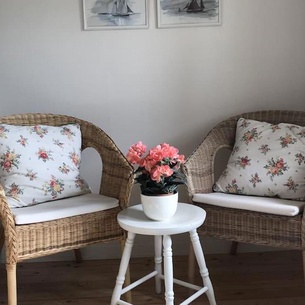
pixel 235 224
pixel 29 241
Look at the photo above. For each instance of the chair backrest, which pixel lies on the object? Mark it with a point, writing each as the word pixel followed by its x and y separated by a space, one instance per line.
pixel 228 126
pixel 199 166
pixel 117 173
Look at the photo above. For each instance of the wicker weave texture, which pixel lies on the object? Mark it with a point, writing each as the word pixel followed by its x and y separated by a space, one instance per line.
pixel 77 231
pixel 234 224
pixel 30 241
pixel 252 227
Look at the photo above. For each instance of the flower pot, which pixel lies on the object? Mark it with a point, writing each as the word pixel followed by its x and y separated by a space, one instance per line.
pixel 159 207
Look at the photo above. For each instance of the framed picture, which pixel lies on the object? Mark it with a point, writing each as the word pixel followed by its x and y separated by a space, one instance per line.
pixel 188 13
pixel 115 14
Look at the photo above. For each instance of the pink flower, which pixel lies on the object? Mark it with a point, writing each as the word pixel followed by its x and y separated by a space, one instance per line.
pixel 181 159
pixel 160 172
pixel 75 159
pixel 169 151
pixel 135 153
pixel 280 163
pixel 43 155
pixel 156 154
pixel 133 157
pixel 7 165
pixel 148 163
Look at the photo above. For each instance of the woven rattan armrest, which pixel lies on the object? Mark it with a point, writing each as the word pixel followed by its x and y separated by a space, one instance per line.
pixel 7 221
pixel 116 171
pixel 199 167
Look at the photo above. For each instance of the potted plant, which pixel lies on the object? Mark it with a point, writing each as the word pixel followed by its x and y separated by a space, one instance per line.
pixel 159 175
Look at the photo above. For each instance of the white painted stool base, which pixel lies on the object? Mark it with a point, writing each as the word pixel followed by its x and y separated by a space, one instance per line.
pixel 168 278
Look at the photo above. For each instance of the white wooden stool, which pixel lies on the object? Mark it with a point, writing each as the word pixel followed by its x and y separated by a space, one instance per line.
pixel 187 219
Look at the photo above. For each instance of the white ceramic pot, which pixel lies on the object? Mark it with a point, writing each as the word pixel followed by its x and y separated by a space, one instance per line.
pixel 160 207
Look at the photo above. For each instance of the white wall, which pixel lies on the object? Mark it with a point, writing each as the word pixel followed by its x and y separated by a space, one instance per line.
pixel 154 85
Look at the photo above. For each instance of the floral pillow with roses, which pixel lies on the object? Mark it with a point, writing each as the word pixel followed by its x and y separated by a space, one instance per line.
pixel 266 160
pixel 40 163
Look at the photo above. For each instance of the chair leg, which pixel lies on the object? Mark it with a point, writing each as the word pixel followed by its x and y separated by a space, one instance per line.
pixel 303 252
pixel 78 255
pixel 128 296
pixel 234 246
pixel 11 284
pixel 2 237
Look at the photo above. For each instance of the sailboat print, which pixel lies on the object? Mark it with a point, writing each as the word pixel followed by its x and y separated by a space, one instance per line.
pixel 112 7
pixel 102 7
pixel 121 8
pixel 194 7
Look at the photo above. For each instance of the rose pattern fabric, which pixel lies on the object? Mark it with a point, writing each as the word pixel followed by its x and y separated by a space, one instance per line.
pixel 266 160
pixel 40 163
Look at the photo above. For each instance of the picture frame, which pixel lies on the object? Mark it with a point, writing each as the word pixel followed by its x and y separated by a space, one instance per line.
pixel 180 13
pixel 115 14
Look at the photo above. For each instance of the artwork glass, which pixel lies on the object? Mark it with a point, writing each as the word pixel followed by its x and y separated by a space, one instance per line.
pixel 181 13
pixel 115 14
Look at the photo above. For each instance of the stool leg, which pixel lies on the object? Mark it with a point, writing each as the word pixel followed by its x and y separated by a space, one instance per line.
pixel 202 266
pixel 116 295
pixel 127 281
pixel 168 269
pixel 158 262
pixel 191 265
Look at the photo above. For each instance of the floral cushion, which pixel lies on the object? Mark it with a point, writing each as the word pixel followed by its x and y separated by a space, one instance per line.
pixel 40 163
pixel 267 160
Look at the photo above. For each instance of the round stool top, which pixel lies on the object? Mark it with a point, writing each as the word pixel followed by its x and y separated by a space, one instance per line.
pixel 188 217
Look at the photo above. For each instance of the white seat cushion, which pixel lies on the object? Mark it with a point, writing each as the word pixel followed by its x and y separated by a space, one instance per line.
pixel 252 203
pixel 62 208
